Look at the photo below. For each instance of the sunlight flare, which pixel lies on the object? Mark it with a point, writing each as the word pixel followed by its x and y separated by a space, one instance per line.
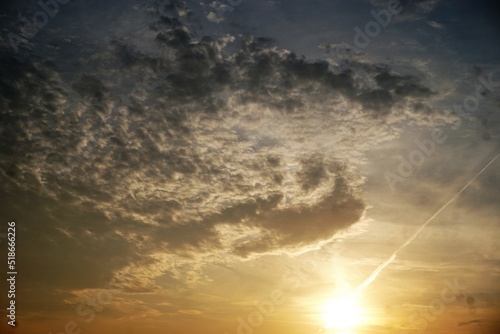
pixel 342 313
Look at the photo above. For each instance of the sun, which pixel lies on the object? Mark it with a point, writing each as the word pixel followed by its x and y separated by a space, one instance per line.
pixel 342 313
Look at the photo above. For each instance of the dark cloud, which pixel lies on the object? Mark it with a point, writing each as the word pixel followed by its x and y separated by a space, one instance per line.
pixel 89 86
pixel 422 108
pixel 402 85
pixel 304 225
pixel 312 172
pixel 151 147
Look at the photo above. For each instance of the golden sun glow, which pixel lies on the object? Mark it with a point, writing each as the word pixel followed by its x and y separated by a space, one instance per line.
pixel 342 314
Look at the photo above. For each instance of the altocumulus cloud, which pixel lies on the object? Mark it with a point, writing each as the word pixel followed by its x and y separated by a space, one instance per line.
pixel 234 148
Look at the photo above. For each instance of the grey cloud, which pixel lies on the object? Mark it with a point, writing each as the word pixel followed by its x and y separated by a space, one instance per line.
pixel 420 107
pixel 303 225
pixel 402 85
pixel 90 86
pixel 312 172
pixel 214 142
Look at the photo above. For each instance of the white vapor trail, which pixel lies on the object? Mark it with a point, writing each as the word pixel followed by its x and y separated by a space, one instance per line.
pixel 381 267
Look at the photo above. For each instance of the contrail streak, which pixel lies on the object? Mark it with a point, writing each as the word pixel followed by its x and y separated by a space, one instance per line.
pixel 381 267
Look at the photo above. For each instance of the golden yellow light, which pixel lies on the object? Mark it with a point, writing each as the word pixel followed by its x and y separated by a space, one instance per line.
pixel 342 313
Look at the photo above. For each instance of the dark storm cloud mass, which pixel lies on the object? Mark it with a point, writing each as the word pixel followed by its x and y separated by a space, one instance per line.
pixel 126 167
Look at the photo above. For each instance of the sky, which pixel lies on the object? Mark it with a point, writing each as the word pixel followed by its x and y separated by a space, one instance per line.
pixel 250 166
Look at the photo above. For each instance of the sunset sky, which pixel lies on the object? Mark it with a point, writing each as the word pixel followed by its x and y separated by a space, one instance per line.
pixel 251 167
